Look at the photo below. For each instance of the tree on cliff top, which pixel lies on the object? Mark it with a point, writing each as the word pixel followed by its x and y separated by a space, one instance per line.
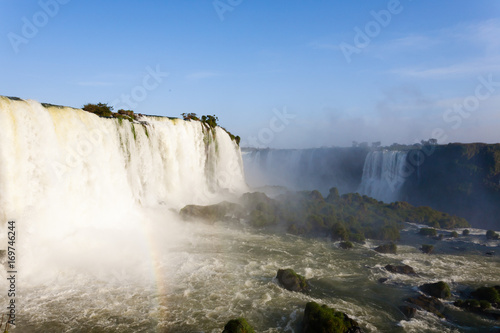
pixel 100 109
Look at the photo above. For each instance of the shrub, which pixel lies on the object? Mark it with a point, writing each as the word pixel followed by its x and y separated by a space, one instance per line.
pixel 357 237
pixel 484 304
pixel 454 234
pixel 339 231
pixel 346 245
pixel 490 234
pixel 429 232
pixel 466 232
pixel 426 248
pixel 489 294
pixel 387 248
pixel 100 109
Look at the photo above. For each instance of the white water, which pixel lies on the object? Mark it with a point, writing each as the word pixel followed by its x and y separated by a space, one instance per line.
pixel 91 197
pixel 383 175
pixel 98 249
pixel 304 169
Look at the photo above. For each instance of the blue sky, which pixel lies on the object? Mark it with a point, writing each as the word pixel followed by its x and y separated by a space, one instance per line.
pixel 282 73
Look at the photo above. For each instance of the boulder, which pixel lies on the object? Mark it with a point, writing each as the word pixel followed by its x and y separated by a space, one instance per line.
pixel 387 248
pixel 239 325
pixel 430 304
pixel 426 248
pixel 439 289
pixel 346 245
pixel 403 269
pixel 292 281
pixel 408 311
pixel 321 318
pixel 218 212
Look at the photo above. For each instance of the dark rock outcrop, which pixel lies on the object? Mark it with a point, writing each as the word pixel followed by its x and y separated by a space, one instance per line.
pixel 239 325
pixel 427 249
pixel 218 212
pixel 387 248
pixel 346 245
pixel 439 289
pixel 320 318
pixel 408 311
pixel 403 269
pixel 292 281
pixel 430 304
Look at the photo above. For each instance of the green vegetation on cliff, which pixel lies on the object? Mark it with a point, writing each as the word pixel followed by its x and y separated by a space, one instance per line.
pixel 106 111
pixel 461 179
pixel 350 217
pixel 210 123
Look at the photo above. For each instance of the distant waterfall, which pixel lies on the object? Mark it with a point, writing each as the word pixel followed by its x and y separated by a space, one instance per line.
pixel 305 169
pixel 383 175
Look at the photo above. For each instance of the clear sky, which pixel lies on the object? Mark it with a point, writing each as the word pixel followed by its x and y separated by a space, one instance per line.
pixel 280 73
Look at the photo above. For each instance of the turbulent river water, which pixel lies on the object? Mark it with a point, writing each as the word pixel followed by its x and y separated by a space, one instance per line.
pixel 99 246
pixel 195 277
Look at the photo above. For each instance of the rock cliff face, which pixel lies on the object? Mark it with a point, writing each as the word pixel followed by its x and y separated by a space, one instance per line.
pixel 460 179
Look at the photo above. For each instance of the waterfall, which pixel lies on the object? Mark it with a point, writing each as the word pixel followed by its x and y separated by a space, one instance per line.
pixel 305 169
pixel 383 175
pixel 69 177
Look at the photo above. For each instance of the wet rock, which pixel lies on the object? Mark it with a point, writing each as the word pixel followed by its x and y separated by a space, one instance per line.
pixel 382 280
pixel 321 318
pixel 218 212
pixel 429 304
pixel 408 311
pixel 292 281
pixel 403 269
pixel 439 289
pixel 346 245
pixel 387 248
pixel 239 325
pixel 483 308
pixel 426 248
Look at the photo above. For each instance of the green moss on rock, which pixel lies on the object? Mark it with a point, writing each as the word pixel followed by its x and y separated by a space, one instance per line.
pixel 387 248
pixel 239 325
pixel 429 232
pixel 292 281
pixel 322 319
pixel 346 245
pixel 439 289
pixel 427 249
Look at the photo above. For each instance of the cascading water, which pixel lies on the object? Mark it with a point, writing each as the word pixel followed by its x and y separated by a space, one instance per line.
pixel 383 175
pixel 92 198
pixel 305 169
pixel 98 248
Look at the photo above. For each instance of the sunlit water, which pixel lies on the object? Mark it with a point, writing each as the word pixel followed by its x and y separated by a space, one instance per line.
pixel 195 277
